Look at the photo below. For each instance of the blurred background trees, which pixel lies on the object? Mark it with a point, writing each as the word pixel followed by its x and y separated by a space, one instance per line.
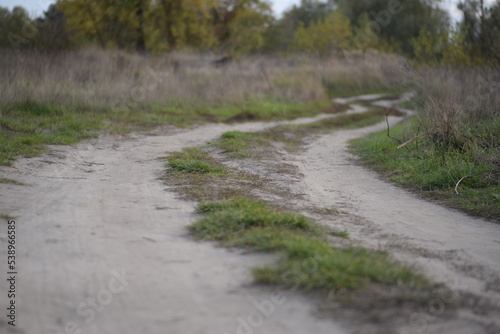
pixel 420 29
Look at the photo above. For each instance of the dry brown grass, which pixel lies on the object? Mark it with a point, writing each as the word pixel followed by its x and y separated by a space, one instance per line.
pixel 453 101
pixel 115 78
pixel 62 98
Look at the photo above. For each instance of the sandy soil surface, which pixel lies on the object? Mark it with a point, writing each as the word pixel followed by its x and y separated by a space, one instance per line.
pixel 103 248
pixel 460 251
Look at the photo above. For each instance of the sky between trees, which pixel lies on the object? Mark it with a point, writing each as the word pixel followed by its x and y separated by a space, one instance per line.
pixel 36 7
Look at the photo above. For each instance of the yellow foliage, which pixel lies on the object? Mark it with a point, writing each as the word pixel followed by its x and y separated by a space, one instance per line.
pixel 248 29
pixel 185 22
pixel 324 37
pixel 425 48
pixel 192 23
pixel 448 48
pixel 456 52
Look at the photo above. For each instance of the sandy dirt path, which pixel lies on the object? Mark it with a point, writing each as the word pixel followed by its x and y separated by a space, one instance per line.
pixel 332 179
pixel 448 246
pixel 103 248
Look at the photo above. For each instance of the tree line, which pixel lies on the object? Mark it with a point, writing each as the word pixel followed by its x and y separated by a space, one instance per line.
pixel 415 28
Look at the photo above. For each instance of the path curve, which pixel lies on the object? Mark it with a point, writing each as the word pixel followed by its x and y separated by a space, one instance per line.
pixel 102 247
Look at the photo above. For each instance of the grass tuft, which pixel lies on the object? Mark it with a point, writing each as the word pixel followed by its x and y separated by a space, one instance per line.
pixel 341 234
pixel 309 261
pixel 239 144
pixel 310 264
pixel 225 219
pixel 199 176
pixel 194 160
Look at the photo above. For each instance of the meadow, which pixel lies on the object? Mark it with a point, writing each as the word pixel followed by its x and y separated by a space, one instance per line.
pixel 65 97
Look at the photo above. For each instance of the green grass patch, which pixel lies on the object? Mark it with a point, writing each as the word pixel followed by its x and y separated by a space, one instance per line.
pixel 341 234
pixel 271 110
pixel 196 161
pixel 351 121
pixel 420 167
pixel 11 181
pixel 349 88
pixel 199 176
pixel 184 115
pixel 308 261
pixel 226 219
pixel 27 127
pixel 310 264
pixel 239 144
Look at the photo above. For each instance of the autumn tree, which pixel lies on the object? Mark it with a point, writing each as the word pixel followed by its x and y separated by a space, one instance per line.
pixel 16 28
pixel 447 48
pixel 481 26
pixel 475 40
pixel 280 35
pixel 309 12
pixel 241 25
pixel 110 23
pixel 53 33
pixel 325 36
pixel 186 22
pixel 395 21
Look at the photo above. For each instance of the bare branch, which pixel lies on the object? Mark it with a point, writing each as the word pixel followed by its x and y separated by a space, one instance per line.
pixel 411 140
pixel 456 186
pixel 388 128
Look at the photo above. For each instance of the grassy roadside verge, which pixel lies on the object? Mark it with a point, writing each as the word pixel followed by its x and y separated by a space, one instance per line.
pixel 26 128
pixel 419 167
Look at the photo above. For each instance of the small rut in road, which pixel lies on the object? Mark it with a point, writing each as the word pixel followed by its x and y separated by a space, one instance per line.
pixel 103 247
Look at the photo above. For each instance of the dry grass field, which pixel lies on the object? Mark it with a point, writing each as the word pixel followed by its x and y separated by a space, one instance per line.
pixel 107 78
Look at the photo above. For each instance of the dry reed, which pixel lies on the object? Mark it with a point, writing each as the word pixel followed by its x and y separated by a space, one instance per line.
pixel 115 78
